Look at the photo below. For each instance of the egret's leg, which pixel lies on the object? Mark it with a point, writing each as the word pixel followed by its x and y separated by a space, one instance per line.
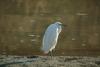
pixel 51 54
pixel 53 51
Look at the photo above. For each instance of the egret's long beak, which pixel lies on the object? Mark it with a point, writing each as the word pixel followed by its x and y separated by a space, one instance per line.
pixel 63 25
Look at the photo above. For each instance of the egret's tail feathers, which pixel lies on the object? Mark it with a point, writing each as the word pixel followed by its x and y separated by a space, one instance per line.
pixel 45 51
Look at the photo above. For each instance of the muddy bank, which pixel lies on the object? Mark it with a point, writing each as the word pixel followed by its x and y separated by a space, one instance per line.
pixel 47 61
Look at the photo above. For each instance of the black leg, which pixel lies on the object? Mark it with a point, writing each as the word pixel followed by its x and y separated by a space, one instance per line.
pixel 53 51
pixel 51 54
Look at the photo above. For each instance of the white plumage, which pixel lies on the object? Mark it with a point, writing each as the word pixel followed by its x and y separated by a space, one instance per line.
pixel 51 36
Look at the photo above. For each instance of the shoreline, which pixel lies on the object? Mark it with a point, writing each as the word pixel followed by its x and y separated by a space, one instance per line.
pixel 47 61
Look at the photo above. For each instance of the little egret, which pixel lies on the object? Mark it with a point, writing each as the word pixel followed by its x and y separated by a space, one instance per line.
pixel 50 37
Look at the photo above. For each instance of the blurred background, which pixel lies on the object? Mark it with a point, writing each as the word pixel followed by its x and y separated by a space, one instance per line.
pixel 23 22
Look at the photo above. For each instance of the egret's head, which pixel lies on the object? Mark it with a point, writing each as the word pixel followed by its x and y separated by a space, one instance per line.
pixel 58 23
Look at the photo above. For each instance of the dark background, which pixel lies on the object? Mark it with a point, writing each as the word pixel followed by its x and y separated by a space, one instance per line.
pixel 23 22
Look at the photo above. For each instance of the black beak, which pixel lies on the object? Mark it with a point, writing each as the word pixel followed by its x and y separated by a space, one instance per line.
pixel 63 25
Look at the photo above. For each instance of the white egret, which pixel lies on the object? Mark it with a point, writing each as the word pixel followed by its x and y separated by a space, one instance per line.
pixel 50 37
